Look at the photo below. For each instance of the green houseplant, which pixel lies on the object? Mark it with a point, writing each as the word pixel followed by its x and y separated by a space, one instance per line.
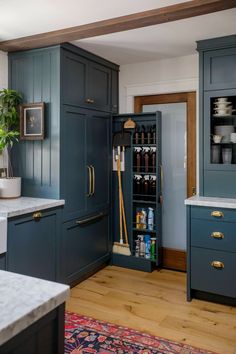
pixel 10 187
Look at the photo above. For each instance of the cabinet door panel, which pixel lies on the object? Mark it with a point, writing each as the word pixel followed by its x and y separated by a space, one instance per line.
pixel 99 86
pixel 73 166
pixel 74 84
pixel 31 246
pixel 83 245
pixel 220 69
pixel 98 157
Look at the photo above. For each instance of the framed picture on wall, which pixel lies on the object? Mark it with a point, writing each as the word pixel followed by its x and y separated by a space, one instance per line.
pixel 32 121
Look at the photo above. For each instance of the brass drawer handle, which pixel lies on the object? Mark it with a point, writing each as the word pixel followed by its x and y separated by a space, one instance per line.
pixel 89 100
pixel 37 215
pixel 92 218
pixel 217 235
pixel 217 265
pixel 217 214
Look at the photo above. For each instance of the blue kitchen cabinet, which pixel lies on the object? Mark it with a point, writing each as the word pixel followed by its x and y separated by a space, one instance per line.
pixel 211 244
pixel 65 77
pixel 32 244
pixel 217 80
pixel 73 162
pixel 86 81
pixel 85 246
pixel 86 156
pixel 2 261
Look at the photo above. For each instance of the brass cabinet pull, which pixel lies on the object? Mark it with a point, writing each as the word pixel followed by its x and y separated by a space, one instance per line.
pixel 89 100
pixel 217 214
pixel 217 265
pixel 37 215
pixel 217 235
pixel 90 181
pixel 87 220
pixel 93 180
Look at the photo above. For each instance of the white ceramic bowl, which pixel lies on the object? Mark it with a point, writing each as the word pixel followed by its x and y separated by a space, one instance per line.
pixel 225 131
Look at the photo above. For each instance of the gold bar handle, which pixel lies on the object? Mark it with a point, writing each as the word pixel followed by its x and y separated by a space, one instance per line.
pixel 90 219
pixel 217 235
pixel 217 214
pixel 217 265
pixel 93 179
pixel 90 182
pixel 37 215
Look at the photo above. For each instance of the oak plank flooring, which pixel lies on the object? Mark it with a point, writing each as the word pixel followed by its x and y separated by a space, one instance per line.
pixel 155 303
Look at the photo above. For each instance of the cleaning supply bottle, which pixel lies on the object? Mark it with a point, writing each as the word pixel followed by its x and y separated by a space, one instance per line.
pixel 150 219
pixel 137 184
pixel 152 186
pixel 147 240
pixel 146 156
pixel 153 248
pixel 142 246
pixel 137 159
pixel 152 163
pixel 143 135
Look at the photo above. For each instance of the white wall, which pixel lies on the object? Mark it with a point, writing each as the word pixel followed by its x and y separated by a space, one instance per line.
pixel 156 77
pixel 3 70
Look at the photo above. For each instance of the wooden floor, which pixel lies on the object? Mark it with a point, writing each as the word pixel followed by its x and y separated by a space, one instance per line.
pixel 155 303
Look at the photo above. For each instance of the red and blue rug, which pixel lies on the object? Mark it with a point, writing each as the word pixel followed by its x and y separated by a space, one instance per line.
pixel 87 335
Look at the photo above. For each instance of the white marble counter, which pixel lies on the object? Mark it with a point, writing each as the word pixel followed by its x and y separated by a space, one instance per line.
pixel 211 202
pixel 24 300
pixel 24 205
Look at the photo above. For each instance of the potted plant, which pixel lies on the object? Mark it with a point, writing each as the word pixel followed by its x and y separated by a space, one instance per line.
pixel 10 187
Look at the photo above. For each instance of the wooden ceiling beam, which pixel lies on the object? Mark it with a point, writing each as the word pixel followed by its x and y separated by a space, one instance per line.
pixel 123 23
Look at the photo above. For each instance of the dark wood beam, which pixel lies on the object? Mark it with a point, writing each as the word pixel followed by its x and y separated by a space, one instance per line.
pixel 124 23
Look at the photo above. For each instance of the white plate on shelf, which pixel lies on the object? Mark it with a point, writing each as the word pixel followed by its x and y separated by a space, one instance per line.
pixel 223 115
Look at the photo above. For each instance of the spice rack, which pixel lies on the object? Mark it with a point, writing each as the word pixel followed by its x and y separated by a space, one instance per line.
pixel 141 199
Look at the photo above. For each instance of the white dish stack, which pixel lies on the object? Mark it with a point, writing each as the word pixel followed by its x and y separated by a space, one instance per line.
pixel 222 107
pixel 224 131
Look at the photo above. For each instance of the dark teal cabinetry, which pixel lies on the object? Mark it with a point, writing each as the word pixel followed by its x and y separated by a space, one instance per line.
pixel 212 254
pixel 32 244
pixel 85 83
pixel 2 261
pixel 86 150
pixel 84 243
pixel 73 162
pixel 217 82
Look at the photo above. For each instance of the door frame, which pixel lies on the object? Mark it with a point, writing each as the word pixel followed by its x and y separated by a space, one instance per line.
pixel 176 259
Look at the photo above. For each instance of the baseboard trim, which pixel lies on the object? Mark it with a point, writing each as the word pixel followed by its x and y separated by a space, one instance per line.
pixel 174 259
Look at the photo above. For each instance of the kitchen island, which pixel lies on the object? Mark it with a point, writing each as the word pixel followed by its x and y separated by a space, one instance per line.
pixel 31 315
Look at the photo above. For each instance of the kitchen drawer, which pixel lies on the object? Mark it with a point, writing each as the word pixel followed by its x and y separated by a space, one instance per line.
pixel 214 235
pixel 206 278
pixel 206 213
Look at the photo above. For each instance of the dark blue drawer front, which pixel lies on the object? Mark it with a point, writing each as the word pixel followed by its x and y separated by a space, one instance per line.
pixel 204 234
pixel 206 213
pixel 206 278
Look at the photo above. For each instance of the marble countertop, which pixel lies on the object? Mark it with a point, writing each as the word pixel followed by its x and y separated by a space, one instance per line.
pixel 211 202
pixel 25 205
pixel 24 300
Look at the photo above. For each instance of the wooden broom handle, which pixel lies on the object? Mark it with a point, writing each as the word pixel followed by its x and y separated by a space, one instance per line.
pixel 120 202
pixel 124 218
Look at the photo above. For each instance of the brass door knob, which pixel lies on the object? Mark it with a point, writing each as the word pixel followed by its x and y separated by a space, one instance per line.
pixel 217 265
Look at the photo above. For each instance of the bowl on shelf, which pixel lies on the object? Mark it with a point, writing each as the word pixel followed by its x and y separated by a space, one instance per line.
pixel 225 131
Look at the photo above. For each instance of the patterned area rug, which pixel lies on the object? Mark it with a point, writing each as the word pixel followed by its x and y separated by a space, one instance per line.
pixel 87 335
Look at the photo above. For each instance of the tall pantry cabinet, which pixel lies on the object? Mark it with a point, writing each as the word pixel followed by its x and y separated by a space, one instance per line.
pixel 73 162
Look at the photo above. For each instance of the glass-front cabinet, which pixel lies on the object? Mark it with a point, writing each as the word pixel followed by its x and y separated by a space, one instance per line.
pixel 220 129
